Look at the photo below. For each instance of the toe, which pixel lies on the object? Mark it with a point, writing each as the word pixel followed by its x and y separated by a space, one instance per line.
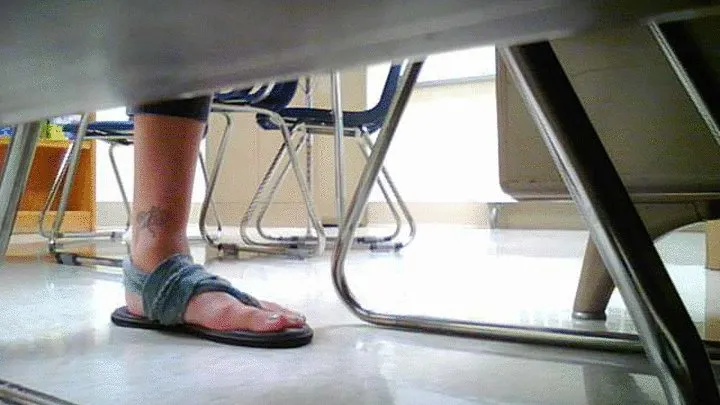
pixel 259 320
pixel 273 307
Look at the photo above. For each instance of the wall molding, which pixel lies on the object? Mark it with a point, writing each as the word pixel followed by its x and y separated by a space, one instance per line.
pixel 520 215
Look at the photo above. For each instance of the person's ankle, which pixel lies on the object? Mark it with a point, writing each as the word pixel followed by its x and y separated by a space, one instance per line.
pixel 148 254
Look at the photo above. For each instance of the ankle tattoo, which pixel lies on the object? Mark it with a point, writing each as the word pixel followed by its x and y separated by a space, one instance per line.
pixel 152 220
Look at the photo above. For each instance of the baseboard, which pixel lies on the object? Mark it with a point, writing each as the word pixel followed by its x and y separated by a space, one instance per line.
pixel 470 213
pixel 551 215
pixel 520 215
pixel 539 215
pixel 112 214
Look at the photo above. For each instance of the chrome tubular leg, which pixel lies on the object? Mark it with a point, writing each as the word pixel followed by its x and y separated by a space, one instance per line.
pixel 70 175
pixel 673 344
pixel 360 198
pixel 62 171
pixel 409 218
pixel 339 152
pixel 13 178
pixel 269 185
pixel 666 331
pixel 202 225
pixel 121 186
pixel 309 168
pixel 374 240
pixel 277 120
pixel 213 182
pixel 263 197
pixel 216 214
pixel 400 202
pixel 309 151
pixel 265 204
pixel 274 182
pixel 307 198
pixel 214 174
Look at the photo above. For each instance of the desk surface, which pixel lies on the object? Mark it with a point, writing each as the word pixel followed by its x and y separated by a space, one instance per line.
pixel 61 58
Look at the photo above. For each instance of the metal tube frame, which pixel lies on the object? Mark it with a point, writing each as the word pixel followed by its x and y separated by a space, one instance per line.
pixel 65 174
pixel 400 202
pixel 71 160
pixel 375 242
pixel 121 186
pixel 70 175
pixel 666 333
pixel 335 87
pixel 309 164
pixel 213 206
pixel 14 176
pixel 262 200
pixel 233 248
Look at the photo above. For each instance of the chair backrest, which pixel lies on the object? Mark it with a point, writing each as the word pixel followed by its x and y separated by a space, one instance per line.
pixel 389 89
pixel 371 119
pixel 376 115
pixel 279 97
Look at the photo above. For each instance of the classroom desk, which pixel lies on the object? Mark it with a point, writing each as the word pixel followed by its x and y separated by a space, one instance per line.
pixel 82 56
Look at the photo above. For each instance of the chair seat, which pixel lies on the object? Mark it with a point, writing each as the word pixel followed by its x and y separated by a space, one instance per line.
pixel 369 120
pixel 103 129
pixel 235 97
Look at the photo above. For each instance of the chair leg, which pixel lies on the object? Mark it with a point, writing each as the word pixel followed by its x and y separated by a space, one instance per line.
pixel 121 187
pixel 389 243
pixel 263 197
pixel 307 198
pixel 595 286
pixel 210 182
pixel 216 214
pixel 381 242
pixel 339 149
pixel 62 171
pixel 64 179
pixel 70 176
pixel 309 168
pixel 13 178
pixel 232 248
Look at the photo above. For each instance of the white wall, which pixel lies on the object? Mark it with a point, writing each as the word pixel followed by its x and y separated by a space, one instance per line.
pixel 106 186
pixel 446 146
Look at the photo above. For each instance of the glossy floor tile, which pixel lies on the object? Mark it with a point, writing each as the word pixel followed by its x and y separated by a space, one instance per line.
pixel 57 336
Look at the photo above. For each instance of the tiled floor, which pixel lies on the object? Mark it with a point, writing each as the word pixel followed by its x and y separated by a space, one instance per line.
pixel 57 335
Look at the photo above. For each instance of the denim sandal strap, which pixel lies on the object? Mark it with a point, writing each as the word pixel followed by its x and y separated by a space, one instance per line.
pixel 167 290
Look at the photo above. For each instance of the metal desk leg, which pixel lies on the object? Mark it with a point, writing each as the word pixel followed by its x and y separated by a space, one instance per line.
pixel 339 152
pixel 14 176
pixel 668 335
pixel 666 331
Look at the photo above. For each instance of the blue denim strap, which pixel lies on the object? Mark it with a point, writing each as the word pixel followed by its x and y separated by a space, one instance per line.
pixel 168 289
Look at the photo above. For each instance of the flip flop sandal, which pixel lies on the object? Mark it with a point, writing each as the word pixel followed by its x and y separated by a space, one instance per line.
pixel 166 292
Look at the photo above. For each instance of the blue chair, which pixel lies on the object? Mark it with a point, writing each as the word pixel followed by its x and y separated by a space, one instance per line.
pixel 357 124
pixel 6 131
pixel 265 102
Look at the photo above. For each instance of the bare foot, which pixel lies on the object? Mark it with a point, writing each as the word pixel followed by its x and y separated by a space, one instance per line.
pixel 220 311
